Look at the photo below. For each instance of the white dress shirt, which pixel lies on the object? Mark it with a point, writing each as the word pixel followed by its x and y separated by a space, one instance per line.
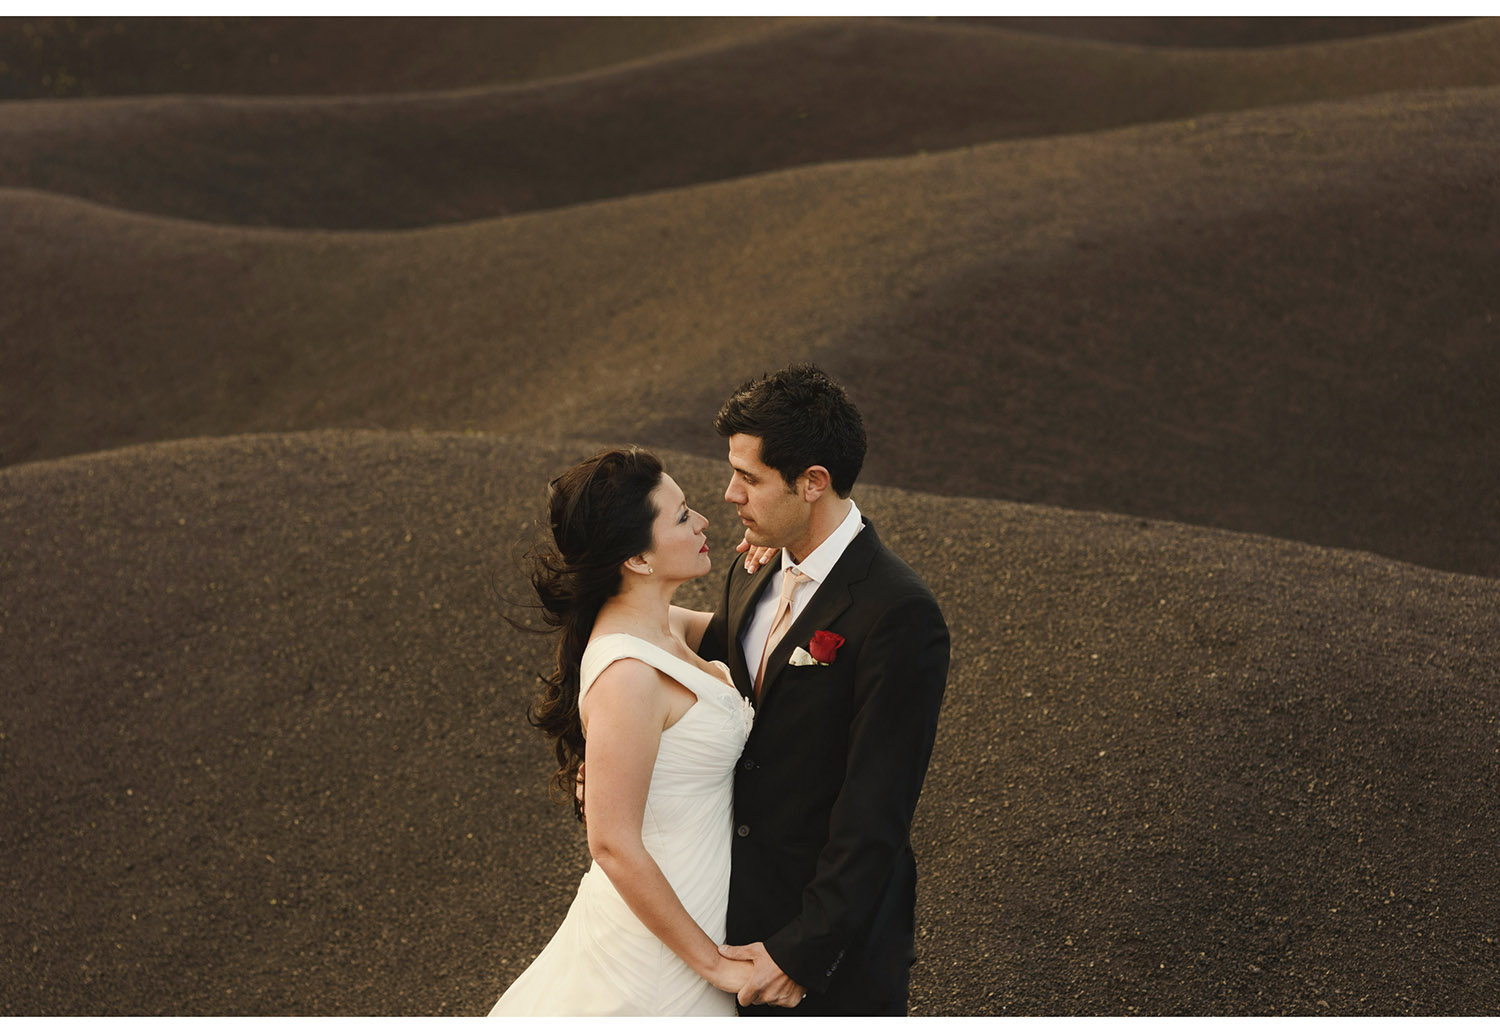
pixel 817 566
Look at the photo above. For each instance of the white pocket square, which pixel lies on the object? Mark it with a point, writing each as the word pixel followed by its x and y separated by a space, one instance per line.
pixel 802 658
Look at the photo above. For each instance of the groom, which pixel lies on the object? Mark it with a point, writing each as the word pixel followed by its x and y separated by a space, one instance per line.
pixel 845 653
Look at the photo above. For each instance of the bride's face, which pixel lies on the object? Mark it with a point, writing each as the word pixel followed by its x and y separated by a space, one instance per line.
pixel 679 548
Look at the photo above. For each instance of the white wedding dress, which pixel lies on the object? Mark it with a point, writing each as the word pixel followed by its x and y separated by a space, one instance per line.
pixel 603 961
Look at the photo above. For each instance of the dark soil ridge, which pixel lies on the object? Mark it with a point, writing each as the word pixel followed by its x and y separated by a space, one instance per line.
pixel 264 751
pixel 1212 31
pixel 1280 322
pixel 803 94
pixel 86 57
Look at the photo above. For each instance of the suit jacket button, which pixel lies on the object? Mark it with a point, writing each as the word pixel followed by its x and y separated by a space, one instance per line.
pixel 748 764
pixel 743 830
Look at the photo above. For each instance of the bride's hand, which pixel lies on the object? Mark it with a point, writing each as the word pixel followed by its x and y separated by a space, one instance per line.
pixel 756 556
pixel 730 975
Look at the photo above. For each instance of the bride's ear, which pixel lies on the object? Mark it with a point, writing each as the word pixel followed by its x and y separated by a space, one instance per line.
pixel 639 565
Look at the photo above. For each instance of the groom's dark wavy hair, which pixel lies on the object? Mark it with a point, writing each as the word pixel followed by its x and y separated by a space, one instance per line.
pixel 803 418
pixel 601 515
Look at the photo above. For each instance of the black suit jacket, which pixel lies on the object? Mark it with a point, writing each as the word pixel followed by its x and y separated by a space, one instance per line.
pixel 823 870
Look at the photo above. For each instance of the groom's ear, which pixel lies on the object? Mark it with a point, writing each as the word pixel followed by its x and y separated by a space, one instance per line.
pixel 815 481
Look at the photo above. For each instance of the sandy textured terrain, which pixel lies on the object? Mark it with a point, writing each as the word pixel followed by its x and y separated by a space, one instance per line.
pixel 1177 341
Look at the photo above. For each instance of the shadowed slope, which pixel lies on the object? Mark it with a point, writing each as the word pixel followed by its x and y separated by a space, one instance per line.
pixel 807 93
pixel 1179 31
pixel 1280 322
pixel 87 57
pixel 264 749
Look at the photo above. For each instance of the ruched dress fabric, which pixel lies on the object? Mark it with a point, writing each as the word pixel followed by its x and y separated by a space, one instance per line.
pixel 602 960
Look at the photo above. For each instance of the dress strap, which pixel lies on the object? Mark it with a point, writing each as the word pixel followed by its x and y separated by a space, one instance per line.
pixel 606 649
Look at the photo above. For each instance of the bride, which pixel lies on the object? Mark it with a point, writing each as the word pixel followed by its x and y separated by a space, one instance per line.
pixel 664 730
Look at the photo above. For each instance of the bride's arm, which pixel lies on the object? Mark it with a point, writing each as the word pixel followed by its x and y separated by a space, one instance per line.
pixel 627 709
pixel 690 624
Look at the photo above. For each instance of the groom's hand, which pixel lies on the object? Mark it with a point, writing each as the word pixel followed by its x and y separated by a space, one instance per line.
pixel 767 983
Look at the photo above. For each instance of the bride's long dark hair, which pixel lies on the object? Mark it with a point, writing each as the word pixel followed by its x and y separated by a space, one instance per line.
pixel 601 515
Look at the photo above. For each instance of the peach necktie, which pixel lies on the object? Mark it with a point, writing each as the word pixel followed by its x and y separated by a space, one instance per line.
pixel 790 579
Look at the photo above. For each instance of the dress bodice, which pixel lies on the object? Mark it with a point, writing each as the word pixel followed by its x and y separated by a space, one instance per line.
pixel 697 753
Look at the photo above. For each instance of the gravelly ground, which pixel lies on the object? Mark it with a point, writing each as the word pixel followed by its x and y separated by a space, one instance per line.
pixel 264 753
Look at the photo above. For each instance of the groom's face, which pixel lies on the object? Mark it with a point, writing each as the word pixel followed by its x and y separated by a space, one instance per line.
pixel 773 512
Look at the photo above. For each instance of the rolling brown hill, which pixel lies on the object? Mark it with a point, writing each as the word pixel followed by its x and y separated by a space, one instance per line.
pixel 264 748
pixel 298 316
pixel 90 57
pixel 1198 32
pixel 1274 321
pixel 798 94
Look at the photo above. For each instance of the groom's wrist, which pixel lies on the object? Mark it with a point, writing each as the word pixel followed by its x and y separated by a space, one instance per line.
pixel 792 964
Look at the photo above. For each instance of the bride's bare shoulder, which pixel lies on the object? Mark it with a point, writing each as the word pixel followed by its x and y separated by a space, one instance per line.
pixel 627 684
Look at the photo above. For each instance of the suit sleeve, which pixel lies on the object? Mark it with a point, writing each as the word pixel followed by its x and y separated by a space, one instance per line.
pixel 899 681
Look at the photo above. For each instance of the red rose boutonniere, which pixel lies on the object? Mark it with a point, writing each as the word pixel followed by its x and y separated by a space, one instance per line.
pixel 820 652
pixel 824 646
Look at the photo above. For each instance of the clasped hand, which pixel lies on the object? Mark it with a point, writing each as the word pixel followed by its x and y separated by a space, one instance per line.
pixel 766 983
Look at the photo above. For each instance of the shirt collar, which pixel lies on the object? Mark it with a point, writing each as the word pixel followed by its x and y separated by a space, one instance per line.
pixel 819 563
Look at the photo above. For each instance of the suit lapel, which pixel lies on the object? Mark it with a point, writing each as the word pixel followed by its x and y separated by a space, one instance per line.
pixel 831 599
pixel 745 592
